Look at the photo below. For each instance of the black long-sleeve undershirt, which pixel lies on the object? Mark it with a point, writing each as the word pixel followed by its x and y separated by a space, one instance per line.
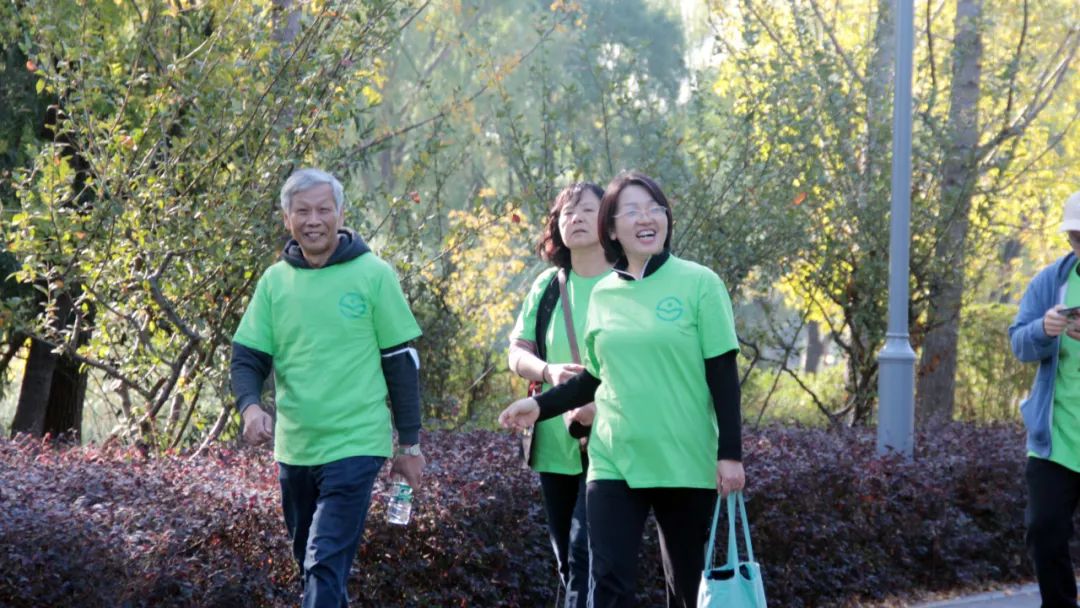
pixel 721 375
pixel 248 369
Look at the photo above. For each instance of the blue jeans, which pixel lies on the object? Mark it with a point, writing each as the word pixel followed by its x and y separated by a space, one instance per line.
pixel 564 502
pixel 325 507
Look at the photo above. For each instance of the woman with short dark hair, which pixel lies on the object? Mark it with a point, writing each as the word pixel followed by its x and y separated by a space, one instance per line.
pixel 540 351
pixel 659 352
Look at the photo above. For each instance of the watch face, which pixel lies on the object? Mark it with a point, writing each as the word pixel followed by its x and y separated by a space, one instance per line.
pixel 412 450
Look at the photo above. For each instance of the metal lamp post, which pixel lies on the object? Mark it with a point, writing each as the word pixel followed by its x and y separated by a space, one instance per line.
pixel 896 363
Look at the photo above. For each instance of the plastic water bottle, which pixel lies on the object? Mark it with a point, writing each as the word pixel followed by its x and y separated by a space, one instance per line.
pixel 400 508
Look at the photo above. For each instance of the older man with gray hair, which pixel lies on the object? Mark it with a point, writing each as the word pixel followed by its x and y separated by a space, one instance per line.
pixel 1047 331
pixel 332 322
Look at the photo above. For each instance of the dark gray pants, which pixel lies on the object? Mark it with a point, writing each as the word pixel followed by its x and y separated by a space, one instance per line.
pixel 1053 493
pixel 564 503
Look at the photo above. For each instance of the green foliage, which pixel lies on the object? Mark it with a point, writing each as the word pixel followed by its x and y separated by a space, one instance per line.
pixel 149 201
pixel 813 81
pixel 20 110
pixel 188 120
pixel 818 152
pixel 467 306
pixel 771 395
pixel 990 381
pixel 490 108
pixel 154 207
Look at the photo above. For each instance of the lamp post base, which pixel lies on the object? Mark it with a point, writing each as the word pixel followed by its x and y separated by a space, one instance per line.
pixel 896 411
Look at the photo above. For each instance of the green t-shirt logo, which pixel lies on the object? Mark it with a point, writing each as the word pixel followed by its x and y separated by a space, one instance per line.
pixel 669 309
pixel 352 305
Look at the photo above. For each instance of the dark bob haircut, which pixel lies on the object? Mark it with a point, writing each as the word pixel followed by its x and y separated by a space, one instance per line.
pixel 609 206
pixel 551 246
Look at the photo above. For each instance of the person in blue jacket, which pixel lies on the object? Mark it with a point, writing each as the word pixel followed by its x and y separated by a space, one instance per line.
pixel 1046 332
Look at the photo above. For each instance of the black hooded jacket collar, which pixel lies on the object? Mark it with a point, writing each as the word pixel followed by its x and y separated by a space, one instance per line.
pixel 350 246
pixel 651 265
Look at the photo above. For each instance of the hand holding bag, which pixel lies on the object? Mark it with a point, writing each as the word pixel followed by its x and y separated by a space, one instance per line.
pixel 737 584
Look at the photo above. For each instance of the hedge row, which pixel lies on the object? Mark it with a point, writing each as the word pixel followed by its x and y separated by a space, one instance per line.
pixel 832 523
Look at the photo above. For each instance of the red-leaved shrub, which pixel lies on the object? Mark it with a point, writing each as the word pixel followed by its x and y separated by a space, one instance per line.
pixel 831 522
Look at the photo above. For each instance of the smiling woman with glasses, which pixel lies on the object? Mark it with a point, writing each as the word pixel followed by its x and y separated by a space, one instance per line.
pixel 659 354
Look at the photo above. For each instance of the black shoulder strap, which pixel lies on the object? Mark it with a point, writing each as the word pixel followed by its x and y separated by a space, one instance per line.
pixel 544 312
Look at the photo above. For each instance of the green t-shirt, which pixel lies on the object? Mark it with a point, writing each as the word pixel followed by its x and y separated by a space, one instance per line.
pixel 554 450
pixel 647 342
pixel 324 328
pixel 1065 417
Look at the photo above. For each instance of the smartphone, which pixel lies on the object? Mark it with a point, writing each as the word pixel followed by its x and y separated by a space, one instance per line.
pixel 1072 312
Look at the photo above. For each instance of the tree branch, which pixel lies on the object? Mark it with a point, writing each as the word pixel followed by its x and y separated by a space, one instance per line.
pixel 834 419
pixel 164 390
pixel 112 371
pixel 1049 82
pixel 753 360
pixel 855 74
pixel 166 305
pixel 930 48
pixel 1014 67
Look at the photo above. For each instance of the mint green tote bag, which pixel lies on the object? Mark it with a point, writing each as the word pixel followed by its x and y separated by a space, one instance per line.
pixel 736 584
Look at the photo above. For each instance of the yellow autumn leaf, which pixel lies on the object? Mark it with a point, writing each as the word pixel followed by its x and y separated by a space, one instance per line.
pixel 371 96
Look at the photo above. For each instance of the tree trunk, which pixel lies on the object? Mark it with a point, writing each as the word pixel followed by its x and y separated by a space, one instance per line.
pixel 215 432
pixel 286 20
pixel 53 393
pixel 937 364
pixel 66 397
pixel 1010 250
pixel 286 23
pixel 815 347
pixel 36 386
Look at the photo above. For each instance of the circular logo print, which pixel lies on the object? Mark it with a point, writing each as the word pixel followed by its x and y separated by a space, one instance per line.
pixel 669 309
pixel 352 305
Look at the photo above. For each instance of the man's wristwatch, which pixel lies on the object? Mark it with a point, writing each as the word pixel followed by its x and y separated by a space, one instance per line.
pixel 408 450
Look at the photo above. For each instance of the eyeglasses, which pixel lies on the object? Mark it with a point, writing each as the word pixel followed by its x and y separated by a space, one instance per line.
pixel 655 212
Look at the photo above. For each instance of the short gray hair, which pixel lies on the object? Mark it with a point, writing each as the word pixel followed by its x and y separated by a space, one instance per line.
pixel 306 179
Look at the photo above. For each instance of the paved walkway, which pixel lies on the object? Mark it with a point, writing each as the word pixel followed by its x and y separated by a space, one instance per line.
pixel 1021 596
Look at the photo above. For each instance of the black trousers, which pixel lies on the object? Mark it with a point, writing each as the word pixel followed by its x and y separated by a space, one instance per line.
pixel 564 503
pixel 617 515
pixel 1053 494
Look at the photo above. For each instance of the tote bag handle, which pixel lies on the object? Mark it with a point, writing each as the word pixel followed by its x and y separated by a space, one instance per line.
pixel 733 550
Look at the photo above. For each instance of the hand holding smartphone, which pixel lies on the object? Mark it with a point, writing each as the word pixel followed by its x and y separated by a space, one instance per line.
pixel 1071 312
pixel 1072 316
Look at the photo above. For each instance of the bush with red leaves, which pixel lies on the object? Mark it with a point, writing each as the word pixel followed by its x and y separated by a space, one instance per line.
pixel 832 523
